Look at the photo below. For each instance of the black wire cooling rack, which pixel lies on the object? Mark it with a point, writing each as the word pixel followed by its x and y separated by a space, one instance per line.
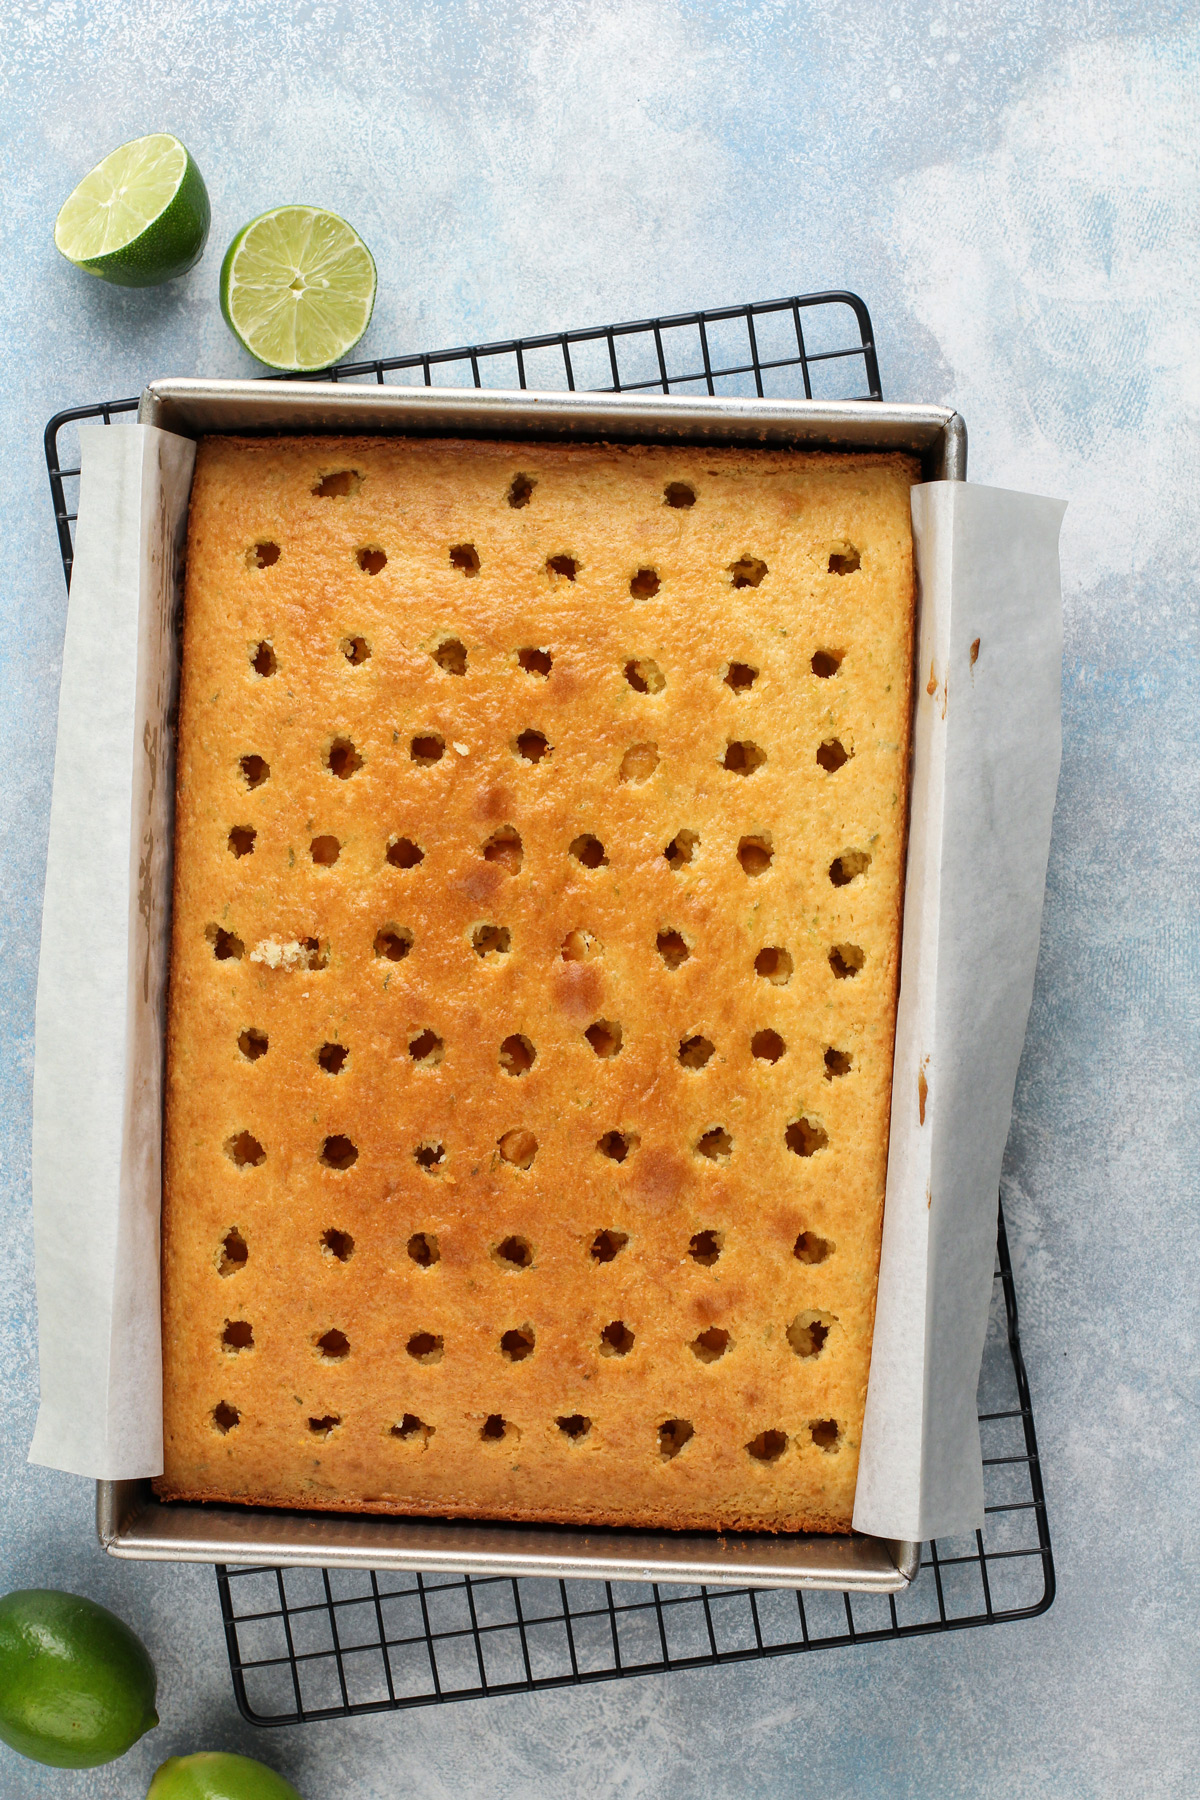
pixel 307 1644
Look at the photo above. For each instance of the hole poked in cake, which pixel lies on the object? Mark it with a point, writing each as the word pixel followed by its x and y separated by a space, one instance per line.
pixel 332 1346
pixel 581 946
pixel 225 1417
pixel 535 661
pixel 241 840
pixel 589 851
pixel 425 1347
pixel 832 755
pixel 768 1446
pixel 520 491
pixel 826 663
pixel 645 676
pixel 844 559
pixel 644 584
pixel 244 1151
pixel 747 571
pixel 564 565
pixel 263 555
pixel 332 1058
pixel 254 770
pixel 837 1062
pixel 337 1244
pixel 326 1425
pixel 825 1433
pixel 638 764
pixel 371 558
pixel 804 1137
pixel 742 758
pixel 846 960
pixel 233 1253
pixel 427 748
pixel 848 867
pixel 517 1055
pixel 338 484
pixel 393 943
pixel 607 1245
pixel 225 946
pixel 451 656
pixel 356 650
pixel 809 1248
pixel 496 1428
pixel 682 848
pixel 715 1145
pixel 517 1148
pixel 325 851
pixel 673 1434
pixel 423 1249
pixel 775 965
pixel 605 1037
pixel 755 854
pixel 513 1253
pixel 711 1345
pixel 616 1339
pixel 411 1430
pixel 767 1046
pixel 338 1152
pixel 517 1344
pixel 679 494
pixel 237 1335
pixel 705 1247
pixel 672 947
pixel 574 1427
pixel 617 1145
pixel 531 746
pixel 430 1157
pixel 343 759
pixel 695 1052
pixel 491 940
pixel 253 1044
pixel 808 1331
pixel 262 659
pixel 740 677
pixel 426 1049
pixel 465 558
pixel 403 853
pixel 505 849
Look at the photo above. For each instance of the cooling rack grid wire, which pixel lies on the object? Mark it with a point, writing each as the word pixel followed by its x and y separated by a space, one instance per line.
pixel 309 1644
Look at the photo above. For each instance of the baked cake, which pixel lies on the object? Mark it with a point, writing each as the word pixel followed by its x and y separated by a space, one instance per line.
pixel 539 858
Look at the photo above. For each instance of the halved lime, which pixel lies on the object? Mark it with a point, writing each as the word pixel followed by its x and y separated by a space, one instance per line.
pixel 140 217
pixel 297 287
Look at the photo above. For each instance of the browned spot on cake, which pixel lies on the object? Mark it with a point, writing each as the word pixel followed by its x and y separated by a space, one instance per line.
pixel 660 1176
pixel 577 988
pixel 493 804
pixel 482 882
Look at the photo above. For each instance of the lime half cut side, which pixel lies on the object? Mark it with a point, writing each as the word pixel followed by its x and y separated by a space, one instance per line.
pixel 140 217
pixel 298 288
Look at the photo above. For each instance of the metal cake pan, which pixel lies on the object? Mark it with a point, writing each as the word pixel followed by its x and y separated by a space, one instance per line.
pixel 131 1522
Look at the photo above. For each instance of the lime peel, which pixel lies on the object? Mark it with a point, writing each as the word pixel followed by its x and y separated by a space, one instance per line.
pixel 297 288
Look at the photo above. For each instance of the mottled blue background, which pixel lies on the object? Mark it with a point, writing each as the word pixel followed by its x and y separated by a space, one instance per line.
pixel 1011 184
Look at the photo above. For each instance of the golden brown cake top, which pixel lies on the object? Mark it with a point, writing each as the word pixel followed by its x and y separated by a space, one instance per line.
pixel 538 874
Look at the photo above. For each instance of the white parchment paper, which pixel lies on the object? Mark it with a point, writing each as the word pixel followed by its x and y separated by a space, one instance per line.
pixel 987 744
pixel 985 768
pixel 97 1084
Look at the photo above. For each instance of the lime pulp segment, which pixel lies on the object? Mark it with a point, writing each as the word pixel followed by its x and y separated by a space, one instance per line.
pixel 298 287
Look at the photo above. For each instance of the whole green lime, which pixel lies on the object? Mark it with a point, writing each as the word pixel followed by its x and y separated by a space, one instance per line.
pixel 76 1686
pixel 140 217
pixel 218 1775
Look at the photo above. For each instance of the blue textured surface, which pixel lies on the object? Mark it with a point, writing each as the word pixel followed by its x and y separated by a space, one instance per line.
pixel 1012 187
